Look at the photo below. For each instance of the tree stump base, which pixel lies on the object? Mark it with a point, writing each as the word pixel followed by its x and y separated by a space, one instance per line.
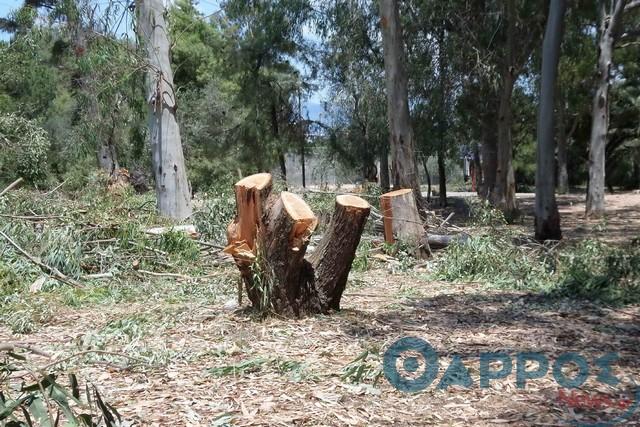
pixel 402 221
pixel 268 240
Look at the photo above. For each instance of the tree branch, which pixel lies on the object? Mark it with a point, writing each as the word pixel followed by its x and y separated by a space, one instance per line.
pixel 53 272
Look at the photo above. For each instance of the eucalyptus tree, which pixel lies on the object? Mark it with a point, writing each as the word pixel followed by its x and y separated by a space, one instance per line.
pixel 611 30
pixel 403 148
pixel 547 218
pixel 172 188
pixel 268 39
pixel 353 67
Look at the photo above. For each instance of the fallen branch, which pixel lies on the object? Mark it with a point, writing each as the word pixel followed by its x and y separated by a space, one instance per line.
pixel 84 353
pixel 12 346
pixel 11 186
pixel 55 189
pixel 52 271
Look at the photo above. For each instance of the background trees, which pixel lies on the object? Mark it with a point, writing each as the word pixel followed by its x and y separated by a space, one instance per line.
pixel 248 77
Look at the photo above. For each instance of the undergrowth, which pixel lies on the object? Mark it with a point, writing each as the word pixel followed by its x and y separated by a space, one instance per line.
pixel 590 269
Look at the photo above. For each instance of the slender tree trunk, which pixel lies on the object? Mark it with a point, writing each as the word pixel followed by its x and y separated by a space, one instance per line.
pixel 107 155
pixel 547 218
pixel 489 151
pixel 504 194
pixel 302 161
pixel 609 23
pixel 172 188
pixel 442 180
pixel 562 176
pixel 403 154
pixel 425 160
pixel 384 168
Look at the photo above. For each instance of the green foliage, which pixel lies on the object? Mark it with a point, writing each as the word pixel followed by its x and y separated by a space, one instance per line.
pixel 47 398
pixel 178 243
pixel 23 149
pixel 364 368
pixel 482 213
pixel 591 270
pixel 495 260
pixel 217 211
pixel 601 272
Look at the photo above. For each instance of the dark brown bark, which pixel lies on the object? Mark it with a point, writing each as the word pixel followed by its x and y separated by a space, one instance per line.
pixel 442 177
pixel 269 239
pixel 489 162
pixel 334 255
pixel 402 142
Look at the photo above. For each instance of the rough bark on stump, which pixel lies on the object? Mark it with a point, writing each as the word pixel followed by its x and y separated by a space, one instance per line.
pixel 269 238
pixel 402 221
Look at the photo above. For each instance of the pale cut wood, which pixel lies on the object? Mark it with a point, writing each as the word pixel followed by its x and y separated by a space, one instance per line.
pixel 11 186
pixel 402 221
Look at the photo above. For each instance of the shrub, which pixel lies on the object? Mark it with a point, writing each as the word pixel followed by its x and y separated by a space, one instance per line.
pixel 23 149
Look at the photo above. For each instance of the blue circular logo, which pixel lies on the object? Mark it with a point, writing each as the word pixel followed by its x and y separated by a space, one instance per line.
pixel 409 351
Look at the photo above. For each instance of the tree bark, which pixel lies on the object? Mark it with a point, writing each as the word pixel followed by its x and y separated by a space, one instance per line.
pixel 547 218
pixel 107 155
pixel 384 168
pixel 425 160
pixel 403 154
pixel 562 175
pixel 172 187
pixel 402 221
pixel 442 180
pixel 609 24
pixel 503 195
pixel 269 238
pixel 489 150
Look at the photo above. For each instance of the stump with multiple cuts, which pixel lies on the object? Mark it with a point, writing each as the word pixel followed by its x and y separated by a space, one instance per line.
pixel 402 221
pixel 269 238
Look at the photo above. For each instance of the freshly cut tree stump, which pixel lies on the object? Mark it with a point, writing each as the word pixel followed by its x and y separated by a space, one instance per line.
pixel 402 221
pixel 269 238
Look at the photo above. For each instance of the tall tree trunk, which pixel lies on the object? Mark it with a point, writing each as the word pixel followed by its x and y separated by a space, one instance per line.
pixel 302 161
pixel 403 153
pixel 547 218
pixel 562 175
pixel 442 180
pixel 172 187
pixel 609 23
pixel 489 152
pixel 504 193
pixel 107 155
pixel 425 160
pixel 384 168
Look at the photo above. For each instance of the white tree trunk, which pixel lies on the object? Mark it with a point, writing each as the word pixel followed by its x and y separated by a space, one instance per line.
pixel 172 188
pixel 547 218
pixel 403 154
pixel 610 20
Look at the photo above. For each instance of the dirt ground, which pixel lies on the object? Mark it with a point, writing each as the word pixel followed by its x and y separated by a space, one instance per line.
pixel 294 369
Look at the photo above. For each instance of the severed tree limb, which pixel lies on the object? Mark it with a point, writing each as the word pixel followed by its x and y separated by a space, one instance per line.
pixel 11 186
pixel 12 346
pixel 52 271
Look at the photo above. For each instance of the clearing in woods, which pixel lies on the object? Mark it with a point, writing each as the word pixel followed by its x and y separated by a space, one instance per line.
pixel 207 363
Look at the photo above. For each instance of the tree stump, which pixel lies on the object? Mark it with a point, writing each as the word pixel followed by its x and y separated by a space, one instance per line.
pixel 402 221
pixel 268 240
